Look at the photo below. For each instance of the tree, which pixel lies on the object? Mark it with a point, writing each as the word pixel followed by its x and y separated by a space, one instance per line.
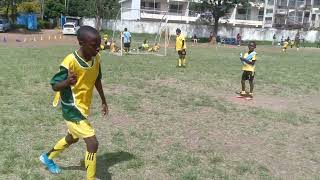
pixel 54 8
pixel 105 9
pixel 216 9
pixel 29 7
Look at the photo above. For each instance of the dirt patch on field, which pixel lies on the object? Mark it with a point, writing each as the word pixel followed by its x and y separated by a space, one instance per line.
pixel 44 38
pixel 286 151
pixel 117 89
pixel 121 120
pixel 305 104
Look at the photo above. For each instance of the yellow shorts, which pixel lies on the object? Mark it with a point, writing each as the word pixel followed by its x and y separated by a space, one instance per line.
pixel 81 129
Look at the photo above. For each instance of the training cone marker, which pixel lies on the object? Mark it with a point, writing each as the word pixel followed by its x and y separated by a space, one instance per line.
pixel 41 38
pixel 55 37
pixel 49 38
pixel 60 37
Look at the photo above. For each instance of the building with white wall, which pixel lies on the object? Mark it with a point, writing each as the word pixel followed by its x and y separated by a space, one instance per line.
pixel 260 13
pixel 172 10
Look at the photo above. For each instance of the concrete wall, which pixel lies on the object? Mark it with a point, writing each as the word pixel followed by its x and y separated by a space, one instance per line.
pixel 205 30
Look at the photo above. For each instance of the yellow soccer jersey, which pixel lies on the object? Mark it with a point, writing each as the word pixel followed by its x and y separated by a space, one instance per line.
pixel 113 47
pixel 157 47
pixel 105 37
pixel 179 41
pixel 285 44
pixel 249 67
pixel 76 99
pixel 145 46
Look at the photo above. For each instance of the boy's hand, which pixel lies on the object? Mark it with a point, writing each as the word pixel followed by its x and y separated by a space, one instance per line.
pixel 104 109
pixel 72 78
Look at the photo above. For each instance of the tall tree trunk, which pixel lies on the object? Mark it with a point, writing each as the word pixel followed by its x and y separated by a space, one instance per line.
pixel 7 9
pixel 98 22
pixel 216 25
pixel 13 10
pixel 99 10
pixel 42 8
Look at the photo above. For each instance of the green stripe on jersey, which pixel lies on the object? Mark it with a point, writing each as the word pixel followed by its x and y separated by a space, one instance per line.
pixel 81 61
pixel 69 111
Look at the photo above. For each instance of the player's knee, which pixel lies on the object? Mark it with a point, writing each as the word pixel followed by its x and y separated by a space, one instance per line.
pixel 93 146
pixel 70 140
pixel 75 140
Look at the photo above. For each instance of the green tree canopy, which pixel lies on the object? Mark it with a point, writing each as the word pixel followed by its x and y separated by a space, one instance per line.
pixel 216 9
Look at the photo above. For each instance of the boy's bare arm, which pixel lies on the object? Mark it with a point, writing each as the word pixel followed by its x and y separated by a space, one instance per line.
pixel 71 80
pixel 99 88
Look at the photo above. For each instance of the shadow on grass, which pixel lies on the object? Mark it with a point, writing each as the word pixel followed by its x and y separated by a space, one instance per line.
pixel 104 162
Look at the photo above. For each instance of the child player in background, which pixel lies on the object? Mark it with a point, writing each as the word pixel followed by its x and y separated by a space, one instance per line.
pixel 181 48
pixel 248 61
pixel 155 48
pixel 285 45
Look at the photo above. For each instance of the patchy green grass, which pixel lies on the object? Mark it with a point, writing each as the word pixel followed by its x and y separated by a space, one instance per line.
pixel 169 123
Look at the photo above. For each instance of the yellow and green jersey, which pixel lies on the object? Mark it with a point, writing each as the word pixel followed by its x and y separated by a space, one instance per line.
pixel 76 99
pixel 105 37
pixel 285 44
pixel 179 41
pixel 145 46
pixel 249 67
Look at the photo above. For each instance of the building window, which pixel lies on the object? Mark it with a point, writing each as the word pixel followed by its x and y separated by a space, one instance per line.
pixel 143 4
pixel 313 17
pixel 269 11
pixel 307 14
pixel 150 5
pixel 242 11
pixel 268 20
pixel 271 2
pixel 175 8
pixel 260 16
pixel 243 14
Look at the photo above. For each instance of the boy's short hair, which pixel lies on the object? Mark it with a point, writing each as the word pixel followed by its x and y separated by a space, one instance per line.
pixel 84 31
pixel 253 43
pixel 125 29
pixel 178 30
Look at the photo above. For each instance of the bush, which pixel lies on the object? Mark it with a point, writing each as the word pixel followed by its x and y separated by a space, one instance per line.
pixel 18 26
pixel 43 24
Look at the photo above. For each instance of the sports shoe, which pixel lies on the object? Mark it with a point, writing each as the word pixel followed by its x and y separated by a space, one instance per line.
pixel 52 167
pixel 250 95
pixel 243 93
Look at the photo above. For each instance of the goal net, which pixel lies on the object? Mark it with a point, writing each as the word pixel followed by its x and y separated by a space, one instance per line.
pixel 148 29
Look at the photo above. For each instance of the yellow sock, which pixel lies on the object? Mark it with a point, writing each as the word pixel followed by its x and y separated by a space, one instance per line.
pixel 179 62
pixel 91 163
pixel 58 148
pixel 184 61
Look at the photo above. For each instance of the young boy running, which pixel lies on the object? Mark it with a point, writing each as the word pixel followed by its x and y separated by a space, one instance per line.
pixel 248 61
pixel 285 45
pixel 181 48
pixel 79 72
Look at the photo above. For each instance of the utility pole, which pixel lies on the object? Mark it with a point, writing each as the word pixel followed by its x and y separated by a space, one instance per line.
pixel 66 5
pixel 42 8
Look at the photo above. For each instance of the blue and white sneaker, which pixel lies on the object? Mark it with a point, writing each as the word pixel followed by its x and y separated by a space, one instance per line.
pixel 52 167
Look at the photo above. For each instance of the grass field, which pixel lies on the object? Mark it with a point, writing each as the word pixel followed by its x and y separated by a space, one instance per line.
pixel 169 123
